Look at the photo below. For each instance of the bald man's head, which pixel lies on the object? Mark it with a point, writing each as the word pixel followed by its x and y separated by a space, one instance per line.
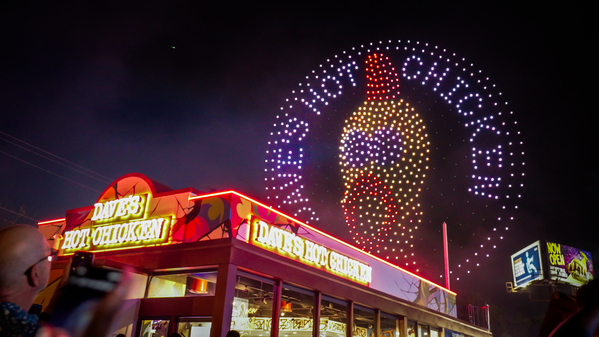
pixel 21 247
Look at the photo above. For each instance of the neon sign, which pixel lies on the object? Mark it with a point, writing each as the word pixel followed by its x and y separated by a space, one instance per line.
pixel 122 234
pixel 135 232
pixel 297 248
pixel 119 208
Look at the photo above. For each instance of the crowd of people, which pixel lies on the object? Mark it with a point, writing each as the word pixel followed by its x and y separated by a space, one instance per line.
pixel 25 264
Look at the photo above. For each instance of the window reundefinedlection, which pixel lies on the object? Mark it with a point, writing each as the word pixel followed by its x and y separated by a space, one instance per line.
pixel 417 329
pixel 155 327
pixel 364 322
pixel 200 283
pixel 411 328
pixel 389 325
pixel 423 330
pixel 297 311
pixel 138 287
pixel 194 326
pixel 333 316
pixel 253 311
pixel 252 305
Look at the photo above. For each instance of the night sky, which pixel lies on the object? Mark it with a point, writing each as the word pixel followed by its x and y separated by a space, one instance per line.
pixel 186 94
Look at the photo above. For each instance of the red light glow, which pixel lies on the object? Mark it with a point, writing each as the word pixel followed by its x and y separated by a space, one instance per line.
pixel 320 232
pixel 50 221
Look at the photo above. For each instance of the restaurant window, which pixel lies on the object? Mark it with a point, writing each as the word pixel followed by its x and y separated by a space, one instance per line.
pixel 411 328
pixel 252 305
pixel 389 325
pixel 194 326
pixel 423 331
pixel 297 310
pixel 454 333
pixel 127 318
pixel 138 287
pixel 182 285
pixel 333 317
pixel 364 324
pixel 435 332
pixel 154 328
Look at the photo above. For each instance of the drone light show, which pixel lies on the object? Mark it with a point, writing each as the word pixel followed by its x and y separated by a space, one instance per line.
pixel 383 143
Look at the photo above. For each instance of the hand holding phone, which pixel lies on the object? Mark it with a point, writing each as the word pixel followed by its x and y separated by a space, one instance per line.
pixel 77 301
pixel 82 259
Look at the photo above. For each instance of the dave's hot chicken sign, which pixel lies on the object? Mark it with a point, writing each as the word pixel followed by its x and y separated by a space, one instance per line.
pixel 118 220
pixel 117 224
pixel 295 247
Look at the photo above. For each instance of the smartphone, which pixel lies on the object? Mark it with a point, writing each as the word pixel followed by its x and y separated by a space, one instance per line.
pixel 84 259
pixel 76 300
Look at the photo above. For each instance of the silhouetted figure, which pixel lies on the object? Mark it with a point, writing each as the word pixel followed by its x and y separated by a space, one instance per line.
pixel 585 321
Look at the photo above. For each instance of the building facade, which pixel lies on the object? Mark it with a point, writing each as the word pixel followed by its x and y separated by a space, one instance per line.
pixel 207 263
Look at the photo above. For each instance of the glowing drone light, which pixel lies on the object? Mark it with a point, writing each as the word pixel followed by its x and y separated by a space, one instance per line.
pixel 496 159
pixel 383 159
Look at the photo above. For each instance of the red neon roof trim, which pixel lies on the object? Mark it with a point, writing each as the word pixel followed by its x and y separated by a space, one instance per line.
pixel 50 221
pixel 320 232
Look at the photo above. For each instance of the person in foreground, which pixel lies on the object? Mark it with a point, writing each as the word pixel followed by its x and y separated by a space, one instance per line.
pixel 25 263
pixel 25 260
pixel 585 321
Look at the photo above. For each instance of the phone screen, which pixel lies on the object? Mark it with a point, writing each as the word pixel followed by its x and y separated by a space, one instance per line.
pixel 77 300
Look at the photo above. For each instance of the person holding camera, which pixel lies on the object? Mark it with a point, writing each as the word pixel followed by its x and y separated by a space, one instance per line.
pixel 25 263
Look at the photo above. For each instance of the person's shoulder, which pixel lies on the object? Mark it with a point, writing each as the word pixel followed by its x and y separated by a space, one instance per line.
pixel 11 308
pixel 15 321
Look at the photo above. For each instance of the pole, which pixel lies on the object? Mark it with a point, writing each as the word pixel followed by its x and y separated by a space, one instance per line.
pixel 488 317
pixel 446 254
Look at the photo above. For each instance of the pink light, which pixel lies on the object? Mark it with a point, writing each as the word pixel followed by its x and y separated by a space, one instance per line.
pixel 320 232
pixel 50 221
pixel 446 255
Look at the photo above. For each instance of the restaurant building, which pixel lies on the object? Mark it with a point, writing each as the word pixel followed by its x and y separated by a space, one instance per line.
pixel 207 263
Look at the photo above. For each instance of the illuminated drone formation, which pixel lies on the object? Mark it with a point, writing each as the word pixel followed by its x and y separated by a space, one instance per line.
pixel 383 159
pixel 385 146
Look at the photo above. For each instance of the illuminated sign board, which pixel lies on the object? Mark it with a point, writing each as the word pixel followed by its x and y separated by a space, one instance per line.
pixel 569 265
pixel 527 266
pixel 297 248
pixel 118 224
pixel 130 206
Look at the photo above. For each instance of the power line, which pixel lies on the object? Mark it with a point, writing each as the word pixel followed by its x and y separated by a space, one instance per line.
pixel 43 169
pixel 104 180
pixel 19 214
pixel 57 162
